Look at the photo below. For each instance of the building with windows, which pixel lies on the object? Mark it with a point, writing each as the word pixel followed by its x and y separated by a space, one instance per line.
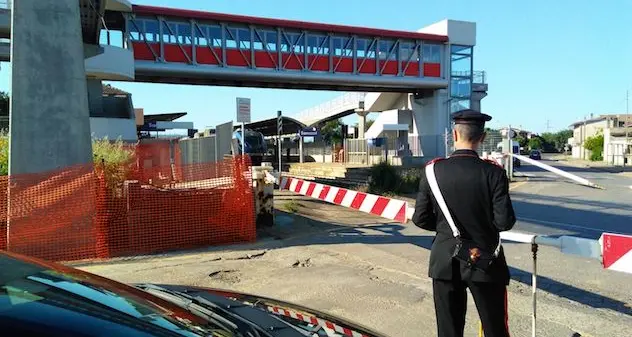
pixel 617 132
pixel 112 115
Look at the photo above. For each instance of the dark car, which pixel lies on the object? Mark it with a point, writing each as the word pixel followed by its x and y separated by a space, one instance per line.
pixel 39 298
pixel 535 154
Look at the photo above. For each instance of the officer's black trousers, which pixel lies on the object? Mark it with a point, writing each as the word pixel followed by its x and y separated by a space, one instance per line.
pixel 450 298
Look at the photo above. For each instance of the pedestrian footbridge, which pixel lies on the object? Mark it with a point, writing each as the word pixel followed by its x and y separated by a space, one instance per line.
pixel 168 45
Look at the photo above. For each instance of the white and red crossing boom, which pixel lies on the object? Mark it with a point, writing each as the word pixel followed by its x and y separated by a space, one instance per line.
pixel 614 250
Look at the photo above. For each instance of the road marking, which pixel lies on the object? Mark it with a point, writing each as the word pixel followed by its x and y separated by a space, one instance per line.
pixel 630 186
pixel 561 224
pixel 522 183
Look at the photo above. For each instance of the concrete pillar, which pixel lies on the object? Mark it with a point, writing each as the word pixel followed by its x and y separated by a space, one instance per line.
pixel 477 97
pixel 361 122
pixel 431 118
pixel 301 155
pixel 264 196
pixel 50 125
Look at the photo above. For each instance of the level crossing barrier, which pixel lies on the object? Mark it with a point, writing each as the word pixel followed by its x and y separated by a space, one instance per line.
pixel 614 250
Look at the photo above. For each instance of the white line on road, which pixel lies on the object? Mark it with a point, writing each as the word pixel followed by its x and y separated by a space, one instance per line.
pixel 560 224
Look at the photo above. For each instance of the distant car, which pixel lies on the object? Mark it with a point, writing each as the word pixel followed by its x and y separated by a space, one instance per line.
pixel 40 298
pixel 535 154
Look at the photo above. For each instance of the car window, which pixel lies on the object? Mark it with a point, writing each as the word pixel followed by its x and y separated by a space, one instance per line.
pixel 23 285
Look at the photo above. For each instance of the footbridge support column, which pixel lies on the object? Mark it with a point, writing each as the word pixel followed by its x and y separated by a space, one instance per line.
pixel 361 122
pixel 49 117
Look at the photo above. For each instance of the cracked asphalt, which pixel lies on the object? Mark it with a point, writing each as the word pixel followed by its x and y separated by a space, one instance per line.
pixel 373 272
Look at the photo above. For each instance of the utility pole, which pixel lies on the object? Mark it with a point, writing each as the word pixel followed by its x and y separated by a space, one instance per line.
pixel 627 122
pixel 548 125
pixel 279 134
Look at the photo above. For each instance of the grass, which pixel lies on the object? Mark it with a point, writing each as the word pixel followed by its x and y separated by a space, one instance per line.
pixel 388 180
pixel 4 152
pixel 115 155
pixel 292 206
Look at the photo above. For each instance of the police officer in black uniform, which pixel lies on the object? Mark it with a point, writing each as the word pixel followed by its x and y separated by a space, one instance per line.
pixel 476 192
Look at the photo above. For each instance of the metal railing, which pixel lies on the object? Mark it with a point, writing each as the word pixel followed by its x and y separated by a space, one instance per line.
pixel 478 76
pixel 350 100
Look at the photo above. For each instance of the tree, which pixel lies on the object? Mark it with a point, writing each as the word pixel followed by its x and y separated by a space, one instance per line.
pixel 368 123
pixel 523 141
pixel 562 138
pixel 535 143
pixel 331 132
pixel 4 103
pixel 595 145
pixel 556 140
pixel 4 110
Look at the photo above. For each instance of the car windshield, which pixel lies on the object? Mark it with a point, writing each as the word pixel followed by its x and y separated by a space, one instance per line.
pixel 25 287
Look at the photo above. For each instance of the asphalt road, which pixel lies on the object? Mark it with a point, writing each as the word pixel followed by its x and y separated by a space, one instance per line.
pixel 374 272
pixel 550 204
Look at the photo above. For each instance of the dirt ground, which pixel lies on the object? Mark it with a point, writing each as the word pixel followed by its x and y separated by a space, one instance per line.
pixel 373 272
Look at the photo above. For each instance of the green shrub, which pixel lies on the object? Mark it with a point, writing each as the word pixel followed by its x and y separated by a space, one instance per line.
pixel 410 180
pixel 596 156
pixel 292 206
pixel 390 181
pixel 4 153
pixel 595 146
pixel 114 158
pixel 384 178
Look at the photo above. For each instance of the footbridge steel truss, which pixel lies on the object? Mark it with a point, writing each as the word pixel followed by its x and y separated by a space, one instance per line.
pixel 182 46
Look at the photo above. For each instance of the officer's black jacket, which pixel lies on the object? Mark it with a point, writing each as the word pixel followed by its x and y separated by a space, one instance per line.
pixel 477 194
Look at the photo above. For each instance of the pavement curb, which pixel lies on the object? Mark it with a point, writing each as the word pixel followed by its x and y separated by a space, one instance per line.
pixel 600 168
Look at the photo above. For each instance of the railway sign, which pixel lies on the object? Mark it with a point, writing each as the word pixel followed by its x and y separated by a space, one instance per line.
pixel 309 132
pixel 243 110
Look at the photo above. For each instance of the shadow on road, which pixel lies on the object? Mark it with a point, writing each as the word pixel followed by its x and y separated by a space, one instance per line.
pixel 392 235
pixel 571 200
pixel 560 164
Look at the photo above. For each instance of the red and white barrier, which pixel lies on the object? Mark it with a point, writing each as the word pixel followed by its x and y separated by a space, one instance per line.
pixel 368 203
pixel 315 321
pixel 617 252
pixel 615 249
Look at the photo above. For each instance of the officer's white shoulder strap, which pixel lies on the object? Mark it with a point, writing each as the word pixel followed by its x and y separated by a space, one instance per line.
pixel 432 181
pixel 434 187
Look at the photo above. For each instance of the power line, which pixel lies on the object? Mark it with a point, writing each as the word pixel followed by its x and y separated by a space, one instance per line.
pixel 548 125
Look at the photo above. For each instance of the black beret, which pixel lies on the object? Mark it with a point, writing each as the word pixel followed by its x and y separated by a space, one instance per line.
pixel 469 116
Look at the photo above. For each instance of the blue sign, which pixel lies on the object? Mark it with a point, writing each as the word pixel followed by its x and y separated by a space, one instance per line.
pixel 149 126
pixel 309 132
pixel 376 142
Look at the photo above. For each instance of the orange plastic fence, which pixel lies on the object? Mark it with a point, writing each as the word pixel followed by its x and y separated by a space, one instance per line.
pixel 146 206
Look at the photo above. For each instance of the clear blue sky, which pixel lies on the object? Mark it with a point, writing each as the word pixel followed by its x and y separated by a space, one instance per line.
pixel 555 60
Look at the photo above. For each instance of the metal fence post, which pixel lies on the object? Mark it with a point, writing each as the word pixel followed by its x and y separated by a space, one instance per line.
pixel 445 136
pixel 509 157
pixel 279 132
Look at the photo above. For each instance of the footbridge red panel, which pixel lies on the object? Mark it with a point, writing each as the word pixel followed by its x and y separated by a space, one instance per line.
pixel 184 46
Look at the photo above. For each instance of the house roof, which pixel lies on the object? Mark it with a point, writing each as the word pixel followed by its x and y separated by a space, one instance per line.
pixel 168 117
pixel 627 118
pixel 268 127
pixel 109 90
